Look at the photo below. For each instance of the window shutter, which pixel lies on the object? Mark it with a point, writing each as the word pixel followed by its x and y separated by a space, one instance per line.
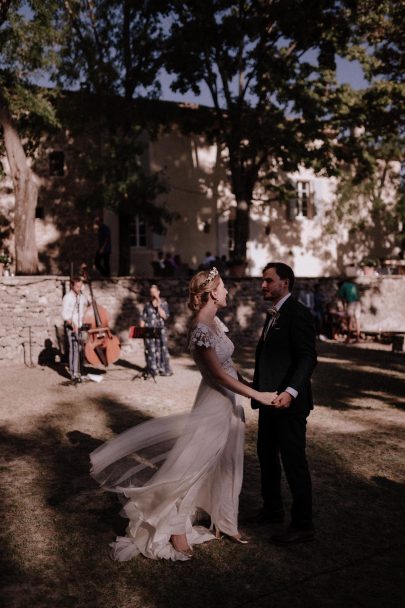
pixel 311 206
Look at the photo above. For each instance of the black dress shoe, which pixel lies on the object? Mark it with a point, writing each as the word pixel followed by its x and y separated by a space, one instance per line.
pixel 292 536
pixel 266 517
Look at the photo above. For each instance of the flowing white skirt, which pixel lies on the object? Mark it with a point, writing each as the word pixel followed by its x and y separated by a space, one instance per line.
pixel 168 468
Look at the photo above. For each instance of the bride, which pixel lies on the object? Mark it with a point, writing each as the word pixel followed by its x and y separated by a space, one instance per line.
pixel 168 469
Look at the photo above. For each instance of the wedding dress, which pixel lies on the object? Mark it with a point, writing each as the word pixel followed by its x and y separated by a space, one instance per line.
pixel 168 469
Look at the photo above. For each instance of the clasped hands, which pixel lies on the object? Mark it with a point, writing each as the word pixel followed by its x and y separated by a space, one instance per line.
pixel 277 400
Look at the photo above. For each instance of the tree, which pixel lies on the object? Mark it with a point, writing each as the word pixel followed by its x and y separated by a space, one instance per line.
pixel 373 152
pixel 25 48
pixel 367 209
pixel 25 191
pixel 114 49
pixel 270 68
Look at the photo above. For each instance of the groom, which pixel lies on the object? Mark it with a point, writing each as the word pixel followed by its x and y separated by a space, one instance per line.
pixel 285 360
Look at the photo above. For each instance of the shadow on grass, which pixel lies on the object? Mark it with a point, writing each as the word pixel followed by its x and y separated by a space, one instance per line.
pixel 356 555
pixel 62 370
pixel 129 365
pixel 363 356
pixel 59 368
pixel 345 373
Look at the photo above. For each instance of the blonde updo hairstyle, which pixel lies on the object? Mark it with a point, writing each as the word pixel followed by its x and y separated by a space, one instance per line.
pixel 199 290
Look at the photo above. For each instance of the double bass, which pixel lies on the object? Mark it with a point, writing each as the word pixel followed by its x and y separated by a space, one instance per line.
pixel 102 347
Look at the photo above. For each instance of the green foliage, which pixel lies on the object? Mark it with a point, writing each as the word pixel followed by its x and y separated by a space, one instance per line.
pixel 33 110
pixel 374 150
pixel 27 51
pixel 112 167
pixel 381 40
pixel 28 39
pixel 378 112
pixel 112 48
pixel 270 70
pixel 368 209
pixel 108 158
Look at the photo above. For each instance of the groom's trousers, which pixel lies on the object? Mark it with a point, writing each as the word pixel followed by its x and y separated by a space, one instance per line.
pixel 281 443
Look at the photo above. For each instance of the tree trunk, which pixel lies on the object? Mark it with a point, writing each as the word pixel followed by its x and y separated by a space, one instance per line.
pixel 241 227
pixel 26 195
pixel 243 196
pixel 242 188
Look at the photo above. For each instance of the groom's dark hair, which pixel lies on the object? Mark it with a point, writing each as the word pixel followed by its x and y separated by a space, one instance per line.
pixel 284 272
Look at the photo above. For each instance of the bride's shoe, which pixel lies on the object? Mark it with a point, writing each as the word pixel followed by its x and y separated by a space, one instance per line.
pixel 181 547
pixel 238 538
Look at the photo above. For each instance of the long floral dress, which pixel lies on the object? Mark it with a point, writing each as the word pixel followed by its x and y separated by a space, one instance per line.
pixel 156 349
pixel 168 469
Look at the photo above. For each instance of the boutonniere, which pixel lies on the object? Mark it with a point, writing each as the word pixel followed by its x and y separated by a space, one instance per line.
pixel 273 314
pixel 272 311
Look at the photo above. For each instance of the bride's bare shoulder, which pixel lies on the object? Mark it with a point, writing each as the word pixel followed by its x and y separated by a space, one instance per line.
pixel 197 321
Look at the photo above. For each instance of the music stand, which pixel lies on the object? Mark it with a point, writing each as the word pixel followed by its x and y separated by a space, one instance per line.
pixel 142 333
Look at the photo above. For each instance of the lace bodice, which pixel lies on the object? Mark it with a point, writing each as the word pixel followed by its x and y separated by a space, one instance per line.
pixel 208 337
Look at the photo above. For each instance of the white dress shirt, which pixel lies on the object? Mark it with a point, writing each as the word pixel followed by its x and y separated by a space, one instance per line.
pixel 73 307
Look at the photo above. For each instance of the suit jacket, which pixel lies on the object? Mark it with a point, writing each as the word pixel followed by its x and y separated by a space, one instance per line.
pixel 287 357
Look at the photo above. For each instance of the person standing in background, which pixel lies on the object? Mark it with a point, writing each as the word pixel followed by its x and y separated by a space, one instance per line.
pixel 154 315
pixel 74 305
pixel 349 295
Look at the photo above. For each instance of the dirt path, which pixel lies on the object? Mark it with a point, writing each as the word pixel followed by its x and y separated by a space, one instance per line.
pixel 57 525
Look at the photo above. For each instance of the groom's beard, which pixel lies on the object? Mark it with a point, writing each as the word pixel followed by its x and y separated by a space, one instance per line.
pixel 269 298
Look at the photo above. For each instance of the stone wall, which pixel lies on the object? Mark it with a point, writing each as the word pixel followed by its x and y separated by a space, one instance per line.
pixel 31 330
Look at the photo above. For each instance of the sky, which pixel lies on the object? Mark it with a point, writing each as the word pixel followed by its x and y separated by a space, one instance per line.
pixel 348 72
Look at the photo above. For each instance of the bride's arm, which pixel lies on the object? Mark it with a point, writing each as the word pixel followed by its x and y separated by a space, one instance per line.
pixel 212 364
pixel 243 380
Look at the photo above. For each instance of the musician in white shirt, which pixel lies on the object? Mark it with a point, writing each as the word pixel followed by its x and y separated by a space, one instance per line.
pixel 74 305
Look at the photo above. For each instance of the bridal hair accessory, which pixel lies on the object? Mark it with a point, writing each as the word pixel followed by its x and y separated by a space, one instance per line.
pixel 211 276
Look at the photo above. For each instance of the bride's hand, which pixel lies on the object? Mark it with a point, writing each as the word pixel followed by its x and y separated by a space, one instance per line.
pixel 267 398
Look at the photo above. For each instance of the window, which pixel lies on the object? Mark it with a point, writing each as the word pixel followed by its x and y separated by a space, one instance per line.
pixel 303 195
pixel 137 231
pixel 57 163
pixel 302 204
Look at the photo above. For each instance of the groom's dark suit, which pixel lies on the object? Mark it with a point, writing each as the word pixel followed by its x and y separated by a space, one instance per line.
pixel 286 357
